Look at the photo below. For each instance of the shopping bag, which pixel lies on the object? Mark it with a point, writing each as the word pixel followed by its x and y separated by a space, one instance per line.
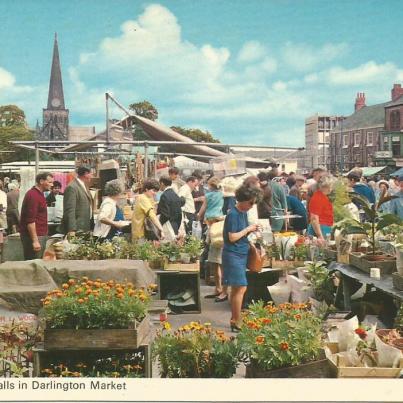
pixel 168 232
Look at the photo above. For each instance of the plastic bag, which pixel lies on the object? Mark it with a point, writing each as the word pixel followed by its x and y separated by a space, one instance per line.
pixel 197 229
pixel 388 356
pixel 280 292
pixel 300 290
pixel 168 232
pixel 347 338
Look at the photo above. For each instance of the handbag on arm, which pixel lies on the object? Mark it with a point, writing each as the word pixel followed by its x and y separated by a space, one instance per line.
pixel 151 231
pixel 255 258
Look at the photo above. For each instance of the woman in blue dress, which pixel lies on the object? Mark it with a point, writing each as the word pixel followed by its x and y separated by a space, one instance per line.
pixel 236 248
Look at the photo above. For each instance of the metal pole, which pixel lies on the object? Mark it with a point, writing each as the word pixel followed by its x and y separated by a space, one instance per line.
pixel 107 117
pixel 36 158
pixel 341 146
pixel 145 159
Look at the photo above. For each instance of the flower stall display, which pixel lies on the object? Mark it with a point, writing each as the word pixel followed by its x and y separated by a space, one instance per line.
pixel 283 341
pixel 358 351
pixel 195 350
pixel 17 339
pixel 95 314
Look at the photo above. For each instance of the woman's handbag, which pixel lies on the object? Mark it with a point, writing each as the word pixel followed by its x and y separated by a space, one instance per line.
pixel 216 234
pixel 255 258
pixel 151 231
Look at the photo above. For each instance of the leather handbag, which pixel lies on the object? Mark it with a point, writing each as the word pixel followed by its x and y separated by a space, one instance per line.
pixel 151 231
pixel 255 258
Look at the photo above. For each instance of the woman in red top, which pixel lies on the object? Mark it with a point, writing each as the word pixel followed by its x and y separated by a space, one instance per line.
pixel 321 209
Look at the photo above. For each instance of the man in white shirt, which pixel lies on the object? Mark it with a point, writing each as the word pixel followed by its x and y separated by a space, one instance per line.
pixel 189 208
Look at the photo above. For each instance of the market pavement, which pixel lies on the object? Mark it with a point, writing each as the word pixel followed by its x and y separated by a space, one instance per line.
pixel 216 313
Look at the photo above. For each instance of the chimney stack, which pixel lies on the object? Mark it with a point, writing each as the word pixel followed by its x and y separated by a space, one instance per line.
pixel 359 101
pixel 397 91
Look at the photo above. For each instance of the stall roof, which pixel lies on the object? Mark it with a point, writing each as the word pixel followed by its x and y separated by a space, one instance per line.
pixel 369 171
pixel 53 166
pixel 398 172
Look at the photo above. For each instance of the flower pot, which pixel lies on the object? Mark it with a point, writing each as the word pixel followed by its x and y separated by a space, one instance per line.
pixel 97 339
pixel 315 369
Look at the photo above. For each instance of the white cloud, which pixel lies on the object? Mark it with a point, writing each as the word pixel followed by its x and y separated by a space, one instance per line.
pixel 6 78
pixel 251 52
pixel 303 57
pixel 367 73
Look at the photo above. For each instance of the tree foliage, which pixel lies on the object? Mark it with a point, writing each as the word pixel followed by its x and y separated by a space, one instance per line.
pixel 13 127
pixel 145 109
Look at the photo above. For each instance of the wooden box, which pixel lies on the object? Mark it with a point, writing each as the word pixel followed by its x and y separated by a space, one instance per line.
pixel 183 266
pixel 340 370
pixel 44 359
pixel 97 339
pixel 387 266
pixel 315 369
pixel 397 281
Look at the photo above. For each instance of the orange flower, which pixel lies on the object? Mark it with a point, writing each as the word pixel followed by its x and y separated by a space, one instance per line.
pixel 97 284
pixel 72 281
pixel 80 300
pixel 65 286
pixel 297 316
pixel 78 291
pixel 90 283
pixel 46 303
pixel 119 290
pixel 131 292
pixel 284 346
pixel 259 339
pixel 88 292
pixel 98 280
pixel 266 321
pixel 120 295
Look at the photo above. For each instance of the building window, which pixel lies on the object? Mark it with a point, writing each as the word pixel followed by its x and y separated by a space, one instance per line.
pixel 345 140
pixel 395 120
pixel 396 146
pixel 370 139
pixel 357 139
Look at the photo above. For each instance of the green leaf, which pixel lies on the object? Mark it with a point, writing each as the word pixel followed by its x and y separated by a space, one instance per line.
pixel 386 220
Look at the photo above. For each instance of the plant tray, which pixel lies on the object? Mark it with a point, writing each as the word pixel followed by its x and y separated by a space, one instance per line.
pixel 183 266
pixel 340 370
pixel 314 369
pixel 330 254
pixel 97 339
pixel 397 281
pixel 387 266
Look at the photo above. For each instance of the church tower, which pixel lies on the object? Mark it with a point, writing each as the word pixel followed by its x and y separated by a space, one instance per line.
pixel 55 124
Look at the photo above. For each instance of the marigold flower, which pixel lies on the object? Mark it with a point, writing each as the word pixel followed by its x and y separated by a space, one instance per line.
pixel 284 346
pixel 259 339
pixel 266 321
pixel 88 292
pixel 78 291
pixel 120 295
pixel 65 286
pixel 297 316
pixel 46 303
pixel 131 292
pixel 71 281
pixel 167 325
pixel 97 284
pixel 80 300
pixel 90 283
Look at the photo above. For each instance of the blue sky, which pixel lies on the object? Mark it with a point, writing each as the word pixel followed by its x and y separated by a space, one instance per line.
pixel 247 71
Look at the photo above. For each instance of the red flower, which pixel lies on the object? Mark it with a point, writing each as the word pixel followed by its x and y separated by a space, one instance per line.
pixel 259 339
pixel 361 332
pixel 284 346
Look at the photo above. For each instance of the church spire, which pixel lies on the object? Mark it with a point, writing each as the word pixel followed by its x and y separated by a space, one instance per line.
pixel 56 97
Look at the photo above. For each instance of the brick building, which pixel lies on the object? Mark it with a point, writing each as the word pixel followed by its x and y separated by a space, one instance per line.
pixel 357 139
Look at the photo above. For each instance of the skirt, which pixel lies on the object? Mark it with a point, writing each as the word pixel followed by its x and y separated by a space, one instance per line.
pixel 234 267
pixel 214 254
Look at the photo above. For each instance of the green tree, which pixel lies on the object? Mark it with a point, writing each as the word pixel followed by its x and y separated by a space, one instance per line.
pixel 13 127
pixel 196 134
pixel 145 109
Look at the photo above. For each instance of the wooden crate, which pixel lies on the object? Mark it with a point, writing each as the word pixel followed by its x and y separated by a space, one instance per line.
pixel 340 370
pixel 397 281
pixel 44 358
pixel 387 266
pixel 183 266
pixel 97 339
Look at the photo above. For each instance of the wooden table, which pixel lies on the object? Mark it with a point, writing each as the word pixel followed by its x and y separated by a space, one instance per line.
pixel 350 272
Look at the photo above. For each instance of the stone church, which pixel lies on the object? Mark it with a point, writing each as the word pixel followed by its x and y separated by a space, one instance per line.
pixel 55 123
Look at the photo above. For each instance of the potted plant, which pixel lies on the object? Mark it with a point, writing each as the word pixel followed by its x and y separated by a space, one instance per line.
pixel 195 350
pixel 375 221
pixel 283 341
pixel 95 315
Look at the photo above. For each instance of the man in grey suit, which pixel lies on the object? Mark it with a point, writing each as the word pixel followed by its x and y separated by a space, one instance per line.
pixel 77 204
